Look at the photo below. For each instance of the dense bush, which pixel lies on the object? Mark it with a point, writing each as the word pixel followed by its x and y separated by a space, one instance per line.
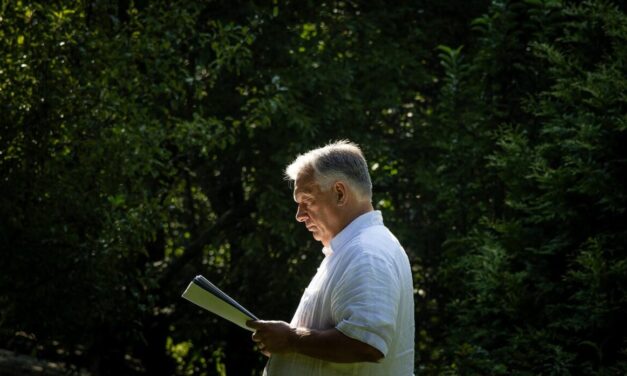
pixel 142 143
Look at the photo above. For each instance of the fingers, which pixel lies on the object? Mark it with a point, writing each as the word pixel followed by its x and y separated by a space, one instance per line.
pixel 263 349
pixel 269 336
pixel 255 324
pixel 256 336
pixel 259 343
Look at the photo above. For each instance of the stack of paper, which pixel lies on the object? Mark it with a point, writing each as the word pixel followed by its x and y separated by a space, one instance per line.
pixel 204 294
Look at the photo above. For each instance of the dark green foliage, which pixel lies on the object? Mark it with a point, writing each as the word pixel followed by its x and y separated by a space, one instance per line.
pixel 142 143
pixel 544 276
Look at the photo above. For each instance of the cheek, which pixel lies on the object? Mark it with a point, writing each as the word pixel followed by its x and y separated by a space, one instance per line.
pixel 312 214
pixel 322 218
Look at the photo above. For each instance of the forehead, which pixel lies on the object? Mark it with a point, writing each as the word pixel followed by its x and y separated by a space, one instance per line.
pixel 305 184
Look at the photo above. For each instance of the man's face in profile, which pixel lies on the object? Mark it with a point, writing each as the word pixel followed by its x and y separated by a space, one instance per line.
pixel 317 209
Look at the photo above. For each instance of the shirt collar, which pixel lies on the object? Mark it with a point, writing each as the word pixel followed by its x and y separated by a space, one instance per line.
pixel 371 218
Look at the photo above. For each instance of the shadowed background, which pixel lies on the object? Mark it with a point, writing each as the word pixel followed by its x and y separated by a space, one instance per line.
pixel 142 143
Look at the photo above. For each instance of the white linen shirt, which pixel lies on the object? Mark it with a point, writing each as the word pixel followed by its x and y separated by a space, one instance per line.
pixel 364 289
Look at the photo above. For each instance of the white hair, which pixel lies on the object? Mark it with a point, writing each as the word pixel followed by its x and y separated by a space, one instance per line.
pixel 340 160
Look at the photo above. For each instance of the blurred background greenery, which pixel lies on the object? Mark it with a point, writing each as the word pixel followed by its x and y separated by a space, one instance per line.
pixel 143 142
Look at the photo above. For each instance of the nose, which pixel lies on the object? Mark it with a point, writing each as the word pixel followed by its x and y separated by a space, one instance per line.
pixel 301 214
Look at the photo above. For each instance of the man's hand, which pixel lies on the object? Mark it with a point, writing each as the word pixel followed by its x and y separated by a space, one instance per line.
pixel 278 337
pixel 272 337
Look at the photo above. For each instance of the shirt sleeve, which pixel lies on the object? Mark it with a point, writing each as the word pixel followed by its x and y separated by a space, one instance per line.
pixel 365 301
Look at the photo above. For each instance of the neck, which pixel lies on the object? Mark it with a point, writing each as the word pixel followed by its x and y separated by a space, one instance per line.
pixel 359 208
pixel 349 216
pixel 362 208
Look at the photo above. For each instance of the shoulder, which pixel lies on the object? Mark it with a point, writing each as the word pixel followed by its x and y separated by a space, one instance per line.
pixel 376 241
pixel 373 250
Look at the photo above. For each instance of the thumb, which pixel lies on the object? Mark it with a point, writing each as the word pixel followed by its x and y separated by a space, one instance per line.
pixel 255 324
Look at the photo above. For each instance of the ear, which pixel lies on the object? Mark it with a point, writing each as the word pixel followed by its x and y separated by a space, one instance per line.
pixel 341 193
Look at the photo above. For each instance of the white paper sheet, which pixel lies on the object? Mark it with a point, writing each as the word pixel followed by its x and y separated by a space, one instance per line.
pixel 204 294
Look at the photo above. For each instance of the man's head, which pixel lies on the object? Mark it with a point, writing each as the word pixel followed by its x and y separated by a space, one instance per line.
pixel 332 187
pixel 341 160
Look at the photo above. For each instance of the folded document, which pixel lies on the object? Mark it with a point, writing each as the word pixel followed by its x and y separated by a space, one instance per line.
pixel 206 295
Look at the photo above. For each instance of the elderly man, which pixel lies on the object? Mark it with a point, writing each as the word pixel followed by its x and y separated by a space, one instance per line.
pixel 356 317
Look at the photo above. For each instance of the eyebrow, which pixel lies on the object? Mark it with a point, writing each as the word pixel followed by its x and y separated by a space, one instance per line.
pixel 301 194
